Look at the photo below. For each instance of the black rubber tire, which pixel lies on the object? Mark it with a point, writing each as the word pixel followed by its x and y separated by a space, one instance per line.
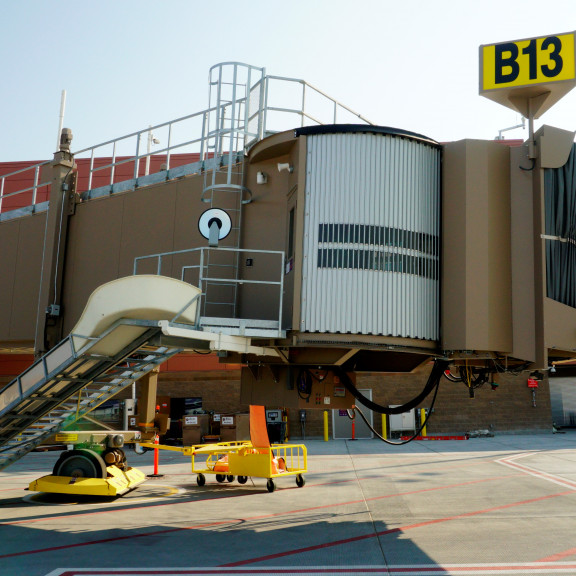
pixel 300 480
pixel 80 464
pixel 270 485
pixel 200 479
pixel 220 478
pixel 230 478
pixel 242 479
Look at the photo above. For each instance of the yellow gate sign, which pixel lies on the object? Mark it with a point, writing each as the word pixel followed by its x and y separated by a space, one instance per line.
pixel 540 69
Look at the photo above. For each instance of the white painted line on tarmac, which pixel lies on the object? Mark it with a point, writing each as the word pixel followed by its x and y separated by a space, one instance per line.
pixel 524 569
pixel 510 461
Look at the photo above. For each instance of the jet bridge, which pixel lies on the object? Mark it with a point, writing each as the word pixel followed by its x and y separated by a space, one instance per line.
pixel 127 329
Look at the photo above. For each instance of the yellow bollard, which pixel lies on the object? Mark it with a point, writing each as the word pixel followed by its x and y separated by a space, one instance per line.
pixel 384 427
pixel 422 419
pixel 325 425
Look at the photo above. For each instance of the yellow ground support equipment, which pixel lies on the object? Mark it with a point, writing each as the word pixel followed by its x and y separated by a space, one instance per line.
pixel 255 459
pixel 95 467
pixel 116 483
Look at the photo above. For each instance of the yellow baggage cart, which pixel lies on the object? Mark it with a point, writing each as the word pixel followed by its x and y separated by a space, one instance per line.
pixel 246 459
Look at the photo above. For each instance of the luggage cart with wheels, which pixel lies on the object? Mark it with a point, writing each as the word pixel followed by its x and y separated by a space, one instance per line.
pixel 241 460
pixel 270 462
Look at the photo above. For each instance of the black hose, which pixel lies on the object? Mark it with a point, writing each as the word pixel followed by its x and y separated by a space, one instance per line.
pixel 416 433
pixel 433 380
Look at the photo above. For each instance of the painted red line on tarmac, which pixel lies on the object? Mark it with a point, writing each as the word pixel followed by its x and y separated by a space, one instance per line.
pixel 133 508
pixel 114 539
pixel 248 519
pixel 252 572
pixel 391 570
pixel 558 556
pixel 362 500
pixel 392 531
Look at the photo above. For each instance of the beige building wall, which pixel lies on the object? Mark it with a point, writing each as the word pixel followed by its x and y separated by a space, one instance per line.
pixel 20 269
pixel 476 278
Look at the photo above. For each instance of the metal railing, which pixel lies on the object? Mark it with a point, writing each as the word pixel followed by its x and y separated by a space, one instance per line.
pixel 286 103
pixel 34 178
pixel 308 110
pixel 204 278
pixel 128 149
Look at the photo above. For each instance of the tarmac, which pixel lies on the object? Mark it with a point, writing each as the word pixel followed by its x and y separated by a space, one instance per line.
pixel 500 505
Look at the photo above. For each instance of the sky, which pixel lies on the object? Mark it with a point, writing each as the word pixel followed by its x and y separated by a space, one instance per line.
pixel 128 64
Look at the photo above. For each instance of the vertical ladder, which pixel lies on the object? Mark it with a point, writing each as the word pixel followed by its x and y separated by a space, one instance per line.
pixel 237 104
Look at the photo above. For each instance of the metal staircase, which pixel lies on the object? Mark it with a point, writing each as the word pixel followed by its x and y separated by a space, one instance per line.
pixel 64 385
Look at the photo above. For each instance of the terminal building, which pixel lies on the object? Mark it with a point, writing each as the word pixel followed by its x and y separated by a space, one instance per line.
pixel 355 257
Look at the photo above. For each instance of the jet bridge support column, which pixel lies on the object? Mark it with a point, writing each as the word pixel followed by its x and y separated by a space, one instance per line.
pixel 147 404
pixel 62 202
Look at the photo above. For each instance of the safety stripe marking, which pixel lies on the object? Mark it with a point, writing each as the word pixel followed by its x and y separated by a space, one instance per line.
pixel 559 555
pixel 525 569
pixel 115 539
pixel 180 502
pixel 391 531
pixel 510 461
pixel 248 519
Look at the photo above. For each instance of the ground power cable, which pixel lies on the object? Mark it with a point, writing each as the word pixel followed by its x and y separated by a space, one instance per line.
pixel 403 442
pixel 440 365
pixel 433 383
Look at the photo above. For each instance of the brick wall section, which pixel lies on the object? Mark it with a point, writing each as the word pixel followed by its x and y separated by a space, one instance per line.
pixel 219 390
pixel 507 409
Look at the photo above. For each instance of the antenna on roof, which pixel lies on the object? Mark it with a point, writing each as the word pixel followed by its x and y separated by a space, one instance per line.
pixel 61 121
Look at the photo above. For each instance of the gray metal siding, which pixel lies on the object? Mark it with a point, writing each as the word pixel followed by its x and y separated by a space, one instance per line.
pixel 563 401
pixel 370 262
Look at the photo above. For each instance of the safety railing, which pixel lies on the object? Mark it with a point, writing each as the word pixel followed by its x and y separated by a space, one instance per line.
pixel 283 103
pixel 130 149
pixel 313 106
pixel 199 266
pixel 34 183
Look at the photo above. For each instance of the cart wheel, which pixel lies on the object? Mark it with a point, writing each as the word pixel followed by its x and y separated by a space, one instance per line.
pixel 300 481
pixel 200 479
pixel 230 478
pixel 220 478
pixel 270 485
pixel 242 479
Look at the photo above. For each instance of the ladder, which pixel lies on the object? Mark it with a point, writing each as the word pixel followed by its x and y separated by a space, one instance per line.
pixel 64 385
pixel 235 119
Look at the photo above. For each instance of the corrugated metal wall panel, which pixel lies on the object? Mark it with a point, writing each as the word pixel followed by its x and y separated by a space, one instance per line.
pixel 563 401
pixel 371 245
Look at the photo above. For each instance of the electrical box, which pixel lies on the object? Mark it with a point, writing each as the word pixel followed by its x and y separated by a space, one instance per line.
pixel 402 422
pixel 273 416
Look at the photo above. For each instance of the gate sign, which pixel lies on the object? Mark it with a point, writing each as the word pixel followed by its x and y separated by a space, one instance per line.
pixel 529 75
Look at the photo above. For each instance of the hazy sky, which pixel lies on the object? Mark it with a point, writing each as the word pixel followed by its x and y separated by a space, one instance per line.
pixel 126 64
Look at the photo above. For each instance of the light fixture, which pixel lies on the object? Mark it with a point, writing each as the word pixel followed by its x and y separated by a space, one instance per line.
pixel 261 178
pixel 285 166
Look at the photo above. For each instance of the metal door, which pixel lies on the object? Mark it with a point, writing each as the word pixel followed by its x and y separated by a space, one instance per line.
pixel 342 425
